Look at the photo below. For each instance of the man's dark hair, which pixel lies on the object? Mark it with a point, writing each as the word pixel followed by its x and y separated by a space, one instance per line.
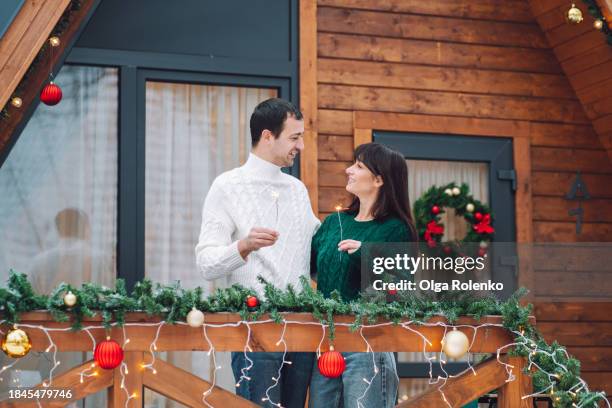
pixel 271 114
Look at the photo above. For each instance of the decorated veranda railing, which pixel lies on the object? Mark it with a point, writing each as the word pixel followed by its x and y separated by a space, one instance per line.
pixel 142 337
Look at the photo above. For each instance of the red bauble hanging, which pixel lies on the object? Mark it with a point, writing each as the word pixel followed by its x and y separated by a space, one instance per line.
pixel 108 354
pixel 478 216
pixel 435 210
pixel 252 301
pixel 392 292
pixel 331 363
pixel 51 94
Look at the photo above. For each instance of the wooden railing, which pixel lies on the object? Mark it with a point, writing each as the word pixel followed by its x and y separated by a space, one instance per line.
pixel 301 331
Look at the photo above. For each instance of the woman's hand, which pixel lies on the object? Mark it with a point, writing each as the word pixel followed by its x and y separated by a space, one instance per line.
pixel 349 245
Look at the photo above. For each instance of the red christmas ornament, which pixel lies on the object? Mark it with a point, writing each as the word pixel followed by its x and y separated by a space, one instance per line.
pixel 392 292
pixel 478 216
pixel 331 363
pixel 51 94
pixel 482 252
pixel 252 301
pixel 447 250
pixel 435 210
pixel 108 354
pixel 484 226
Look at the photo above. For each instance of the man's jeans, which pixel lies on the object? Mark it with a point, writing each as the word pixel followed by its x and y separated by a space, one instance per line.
pixel 350 386
pixel 292 387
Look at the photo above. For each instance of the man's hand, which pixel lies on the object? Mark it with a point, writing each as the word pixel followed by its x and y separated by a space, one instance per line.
pixel 257 238
pixel 349 245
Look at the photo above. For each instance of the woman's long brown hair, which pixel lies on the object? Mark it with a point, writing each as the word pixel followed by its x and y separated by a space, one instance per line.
pixel 392 200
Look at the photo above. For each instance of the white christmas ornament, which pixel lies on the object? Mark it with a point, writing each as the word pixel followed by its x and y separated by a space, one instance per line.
pixel 195 318
pixel 456 191
pixel 70 299
pixel 469 207
pixel 455 344
pixel 448 192
pixel 484 244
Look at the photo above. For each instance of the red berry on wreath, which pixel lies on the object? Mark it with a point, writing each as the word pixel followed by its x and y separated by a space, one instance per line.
pixel 252 301
pixel 331 363
pixel 447 250
pixel 478 216
pixel 435 210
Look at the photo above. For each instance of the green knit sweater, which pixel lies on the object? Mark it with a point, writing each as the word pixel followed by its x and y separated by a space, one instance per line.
pixel 341 271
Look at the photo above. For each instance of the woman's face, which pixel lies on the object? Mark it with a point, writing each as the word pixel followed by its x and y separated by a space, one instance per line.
pixel 361 181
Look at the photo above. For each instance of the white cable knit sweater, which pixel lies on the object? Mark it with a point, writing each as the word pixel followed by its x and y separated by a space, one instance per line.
pixel 251 196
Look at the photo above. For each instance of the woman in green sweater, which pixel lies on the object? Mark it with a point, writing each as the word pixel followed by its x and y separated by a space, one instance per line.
pixel 379 212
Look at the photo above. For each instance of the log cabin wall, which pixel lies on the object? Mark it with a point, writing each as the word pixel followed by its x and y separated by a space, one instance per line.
pixel 478 60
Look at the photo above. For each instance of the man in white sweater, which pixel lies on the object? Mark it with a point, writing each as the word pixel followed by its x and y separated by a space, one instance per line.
pixel 258 220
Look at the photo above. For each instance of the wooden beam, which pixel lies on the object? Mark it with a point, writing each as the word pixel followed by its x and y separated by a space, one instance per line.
pixel 170 381
pixel 461 390
pixel 70 380
pixel 24 38
pixel 399 122
pixel 132 381
pixel 38 30
pixel 300 337
pixel 308 99
pixel 510 395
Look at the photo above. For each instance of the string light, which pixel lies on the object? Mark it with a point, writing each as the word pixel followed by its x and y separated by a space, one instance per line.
pixel 521 340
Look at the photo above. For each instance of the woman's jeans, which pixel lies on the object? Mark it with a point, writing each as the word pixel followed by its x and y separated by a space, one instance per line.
pixel 347 391
pixel 291 389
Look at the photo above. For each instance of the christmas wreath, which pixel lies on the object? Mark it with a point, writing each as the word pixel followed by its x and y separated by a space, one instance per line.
pixel 428 208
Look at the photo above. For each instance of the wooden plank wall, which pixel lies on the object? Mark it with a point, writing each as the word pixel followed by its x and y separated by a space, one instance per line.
pixel 586 59
pixel 482 59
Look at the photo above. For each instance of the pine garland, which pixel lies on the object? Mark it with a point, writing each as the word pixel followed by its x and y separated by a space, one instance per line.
pixel 172 303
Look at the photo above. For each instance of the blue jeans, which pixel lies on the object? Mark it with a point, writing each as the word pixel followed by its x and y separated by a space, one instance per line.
pixel 292 387
pixel 344 391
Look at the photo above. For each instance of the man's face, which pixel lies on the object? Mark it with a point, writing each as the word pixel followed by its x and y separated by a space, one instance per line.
pixel 290 142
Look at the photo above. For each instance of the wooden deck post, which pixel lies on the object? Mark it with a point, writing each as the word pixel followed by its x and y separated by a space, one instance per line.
pixel 510 395
pixel 132 382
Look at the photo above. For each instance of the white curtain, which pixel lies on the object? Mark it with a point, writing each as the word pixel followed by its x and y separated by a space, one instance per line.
pixel 58 196
pixel 423 174
pixel 193 133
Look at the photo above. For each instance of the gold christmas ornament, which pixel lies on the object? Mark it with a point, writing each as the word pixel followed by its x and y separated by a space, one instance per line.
pixel 195 318
pixel 598 24
pixel 17 102
pixel 70 299
pixel 455 344
pixel 574 15
pixel 16 343
pixel 54 41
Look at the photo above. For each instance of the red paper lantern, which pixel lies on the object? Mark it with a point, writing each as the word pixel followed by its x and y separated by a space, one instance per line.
pixel 331 363
pixel 51 94
pixel 108 354
pixel 252 301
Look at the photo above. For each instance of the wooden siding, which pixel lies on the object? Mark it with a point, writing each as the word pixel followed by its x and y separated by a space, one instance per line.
pixel 586 59
pixel 494 68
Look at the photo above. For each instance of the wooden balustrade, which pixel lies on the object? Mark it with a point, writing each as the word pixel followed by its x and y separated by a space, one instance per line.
pixel 228 332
